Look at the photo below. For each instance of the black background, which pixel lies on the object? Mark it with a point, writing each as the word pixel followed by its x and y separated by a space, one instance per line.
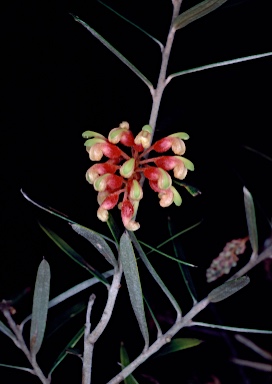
pixel 58 81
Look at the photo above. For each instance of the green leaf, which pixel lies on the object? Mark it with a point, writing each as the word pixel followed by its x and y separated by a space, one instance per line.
pixel 40 307
pixel 192 190
pixel 125 362
pixel 71 344
pixel 73 254
pixel 154 274
pixel 159 333
pixel 251 220
pixel 132 277
pixel 178 234
pixel 115 230
pixel 166 255
pixel 97 241
pixel 183 269
pixel 64 317
pixel 6 330
pixel 179 344
pixel 115 52
pixel 196 12
pixel 227 289
pixel 134 25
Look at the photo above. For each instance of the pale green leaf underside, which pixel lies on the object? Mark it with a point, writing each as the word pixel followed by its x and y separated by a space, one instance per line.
pixel 131 273
pixel 251 220
pixel 40 307
pixel 97 241
pixel 115 52
pixel 196 12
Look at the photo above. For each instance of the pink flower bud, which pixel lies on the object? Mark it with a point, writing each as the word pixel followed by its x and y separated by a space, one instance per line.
pixel 144 137
pixel 108 182
pixel 110 201
pixel 163 178
pixel 172 162
pixel 97 151
pixel 102 214
pixel 127 213
pixel 166 197
pixel 99 169
pixel 177 145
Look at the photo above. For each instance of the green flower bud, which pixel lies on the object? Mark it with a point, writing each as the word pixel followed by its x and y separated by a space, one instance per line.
pixel 136 192
pixel 127 168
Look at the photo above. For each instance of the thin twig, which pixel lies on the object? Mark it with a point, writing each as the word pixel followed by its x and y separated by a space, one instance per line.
pixel 164 339
pixel 20 343
pixel 88 347
pixel 91 338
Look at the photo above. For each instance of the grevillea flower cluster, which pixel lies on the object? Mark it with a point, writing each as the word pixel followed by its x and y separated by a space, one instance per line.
pixel 122 173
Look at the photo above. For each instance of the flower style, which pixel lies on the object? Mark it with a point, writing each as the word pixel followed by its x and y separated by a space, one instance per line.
pixel 122 174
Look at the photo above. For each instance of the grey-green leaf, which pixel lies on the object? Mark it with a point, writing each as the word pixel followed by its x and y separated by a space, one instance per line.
pixel 196 12
pixel 97 241
pixel 135 25
pixel 227 289
pixel 251 220
pixel 124 359
pixel 154 274
pixel 178 345
pixel 40 307
pixel 131 273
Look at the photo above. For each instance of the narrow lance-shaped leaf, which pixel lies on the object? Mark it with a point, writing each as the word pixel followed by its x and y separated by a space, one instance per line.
pixel 131 273
pixel 97 241
pixel 124 359
pixel 71 344
pixel 227 289
pixel 197 12
pixel 40 307
pixel 179 344
pixel 251 220
pixel 115 52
